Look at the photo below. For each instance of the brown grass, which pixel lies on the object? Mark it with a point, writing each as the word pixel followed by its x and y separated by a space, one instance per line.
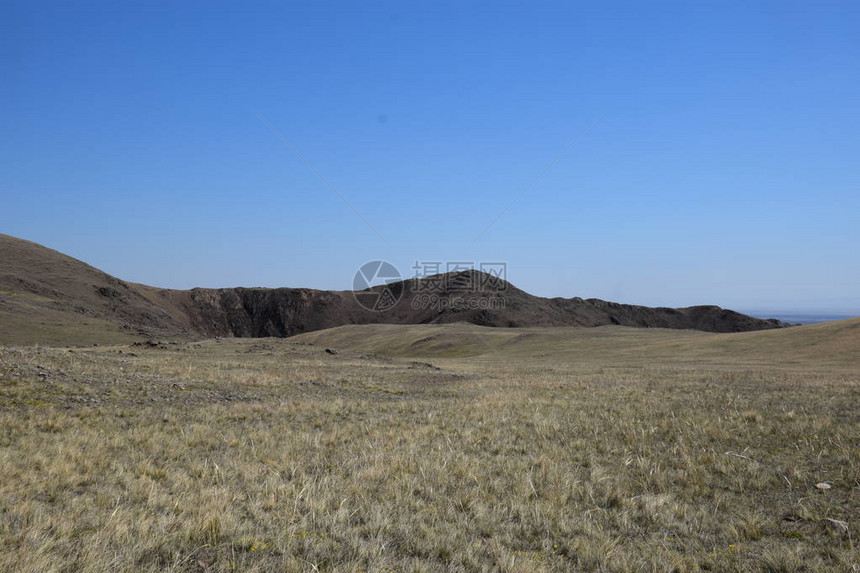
pixel 617 450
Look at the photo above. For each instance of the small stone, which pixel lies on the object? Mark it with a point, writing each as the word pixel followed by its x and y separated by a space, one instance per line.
pixel 823 485
pixel 835 525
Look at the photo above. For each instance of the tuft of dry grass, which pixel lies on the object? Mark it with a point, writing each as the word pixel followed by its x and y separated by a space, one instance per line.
pixel 268 455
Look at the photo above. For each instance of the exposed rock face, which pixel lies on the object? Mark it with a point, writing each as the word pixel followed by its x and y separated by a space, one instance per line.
pixel 39 284
pixel 283 312
pixel 257 312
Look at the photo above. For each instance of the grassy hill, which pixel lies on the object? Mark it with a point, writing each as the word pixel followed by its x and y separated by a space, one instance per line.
pixel 826 344
pixel 47 297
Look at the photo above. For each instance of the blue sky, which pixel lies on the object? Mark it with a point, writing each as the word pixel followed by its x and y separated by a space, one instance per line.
pixel 723 169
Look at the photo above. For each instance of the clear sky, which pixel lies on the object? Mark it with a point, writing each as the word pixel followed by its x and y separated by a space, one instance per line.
pixel 724 169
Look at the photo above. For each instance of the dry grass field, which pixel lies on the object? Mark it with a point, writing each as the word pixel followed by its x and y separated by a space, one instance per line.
pixel 449 448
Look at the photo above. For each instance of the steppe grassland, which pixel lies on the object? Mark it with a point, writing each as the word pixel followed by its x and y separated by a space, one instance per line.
pixel 261 455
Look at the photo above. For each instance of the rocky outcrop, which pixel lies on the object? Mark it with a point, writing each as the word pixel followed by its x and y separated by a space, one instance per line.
pixel 254 312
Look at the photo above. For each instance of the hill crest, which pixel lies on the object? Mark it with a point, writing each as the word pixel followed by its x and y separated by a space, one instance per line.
pixel 49 297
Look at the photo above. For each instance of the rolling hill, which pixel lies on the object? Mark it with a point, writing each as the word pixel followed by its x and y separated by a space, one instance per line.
pixel 47 297
pixel 826 344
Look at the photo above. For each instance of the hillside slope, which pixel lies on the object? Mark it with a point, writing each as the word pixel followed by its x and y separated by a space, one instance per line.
pixel 48 297
pixel 833 344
